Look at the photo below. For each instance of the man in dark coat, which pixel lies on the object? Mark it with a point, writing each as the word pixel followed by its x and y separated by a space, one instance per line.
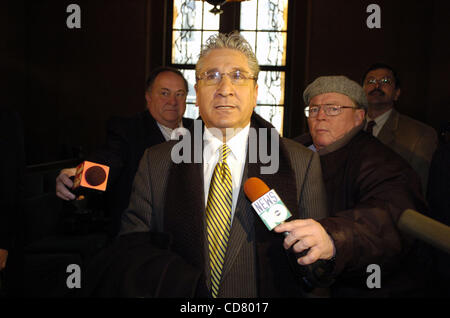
pixel 127 139
pixel 368 187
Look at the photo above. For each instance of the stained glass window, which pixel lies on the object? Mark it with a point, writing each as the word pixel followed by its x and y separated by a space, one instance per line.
pixel 262 22
pixel 192 24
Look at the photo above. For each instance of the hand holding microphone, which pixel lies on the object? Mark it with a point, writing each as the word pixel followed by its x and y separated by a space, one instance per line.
pixel 64 183
pixel 304 235
pixel 86 176
pixel 301 236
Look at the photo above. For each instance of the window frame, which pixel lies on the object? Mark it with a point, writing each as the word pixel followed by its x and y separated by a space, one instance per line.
pixel 230 21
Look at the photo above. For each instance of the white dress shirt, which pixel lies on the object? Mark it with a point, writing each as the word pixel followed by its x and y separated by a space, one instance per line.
pixel 235 160
pixel 379 121
pixel 167 132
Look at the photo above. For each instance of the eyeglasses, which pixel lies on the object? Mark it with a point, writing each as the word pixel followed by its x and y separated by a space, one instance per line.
pixel 329 109
pixel 383 81
pixel 215 77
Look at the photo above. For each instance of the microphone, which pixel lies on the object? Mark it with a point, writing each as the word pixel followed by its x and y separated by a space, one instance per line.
pixel 424 228
pixel 266 203
pixel 90 175
pixel 273 212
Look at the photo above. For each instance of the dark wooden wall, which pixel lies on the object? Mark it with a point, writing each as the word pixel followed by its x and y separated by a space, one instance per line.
pixel 67 82
pixel 414 39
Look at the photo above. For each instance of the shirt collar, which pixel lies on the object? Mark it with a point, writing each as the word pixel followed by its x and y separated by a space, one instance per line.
pixel 237 143
pixel 167 131
pixel 380 120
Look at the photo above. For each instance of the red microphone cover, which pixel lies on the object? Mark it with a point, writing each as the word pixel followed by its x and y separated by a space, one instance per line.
pixel 255 188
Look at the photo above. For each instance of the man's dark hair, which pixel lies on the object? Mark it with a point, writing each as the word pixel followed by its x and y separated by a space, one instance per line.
pixel 377 66
pixel 162 69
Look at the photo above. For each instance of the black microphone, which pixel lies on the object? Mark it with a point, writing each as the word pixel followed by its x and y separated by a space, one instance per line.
pixel 426 229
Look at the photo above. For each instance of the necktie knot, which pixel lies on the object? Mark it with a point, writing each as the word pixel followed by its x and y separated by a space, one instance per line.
pixel 225 152
pixel 370 125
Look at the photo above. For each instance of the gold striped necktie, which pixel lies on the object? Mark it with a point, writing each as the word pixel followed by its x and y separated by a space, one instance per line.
pixel 218 218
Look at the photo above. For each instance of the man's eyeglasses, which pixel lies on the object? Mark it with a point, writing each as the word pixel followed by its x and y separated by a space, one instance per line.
pixel 215 77
pixel 329 109
pixel 383 81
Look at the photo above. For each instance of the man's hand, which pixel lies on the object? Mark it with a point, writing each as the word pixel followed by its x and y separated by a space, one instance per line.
pixel 3 258
pixel 304 234
pixel 63 184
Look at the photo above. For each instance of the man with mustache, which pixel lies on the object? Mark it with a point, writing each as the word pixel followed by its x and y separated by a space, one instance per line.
pixel 411 139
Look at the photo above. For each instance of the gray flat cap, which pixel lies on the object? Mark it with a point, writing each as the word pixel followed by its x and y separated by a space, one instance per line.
pixel 336 84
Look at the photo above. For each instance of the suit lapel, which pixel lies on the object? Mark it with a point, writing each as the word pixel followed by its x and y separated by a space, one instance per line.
pixel 153 134
pixel 185 208
pixel 387 133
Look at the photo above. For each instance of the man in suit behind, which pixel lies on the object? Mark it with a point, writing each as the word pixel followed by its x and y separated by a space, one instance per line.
pixel 127 138
pixel 411 139
pixel 234 251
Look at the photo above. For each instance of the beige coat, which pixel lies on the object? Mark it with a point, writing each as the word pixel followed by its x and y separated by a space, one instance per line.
pixel 411 139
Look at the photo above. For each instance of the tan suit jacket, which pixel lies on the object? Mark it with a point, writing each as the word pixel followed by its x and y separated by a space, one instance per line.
pixel 411 139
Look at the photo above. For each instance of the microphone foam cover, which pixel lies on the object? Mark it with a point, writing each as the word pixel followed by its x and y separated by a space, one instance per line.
pixel 255 188
pixel 95 175
pixel 91 175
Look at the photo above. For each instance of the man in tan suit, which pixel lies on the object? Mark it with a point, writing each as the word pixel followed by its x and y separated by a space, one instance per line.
pixel 411 139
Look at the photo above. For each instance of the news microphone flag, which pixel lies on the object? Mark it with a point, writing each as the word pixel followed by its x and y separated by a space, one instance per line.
pixel 266 203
